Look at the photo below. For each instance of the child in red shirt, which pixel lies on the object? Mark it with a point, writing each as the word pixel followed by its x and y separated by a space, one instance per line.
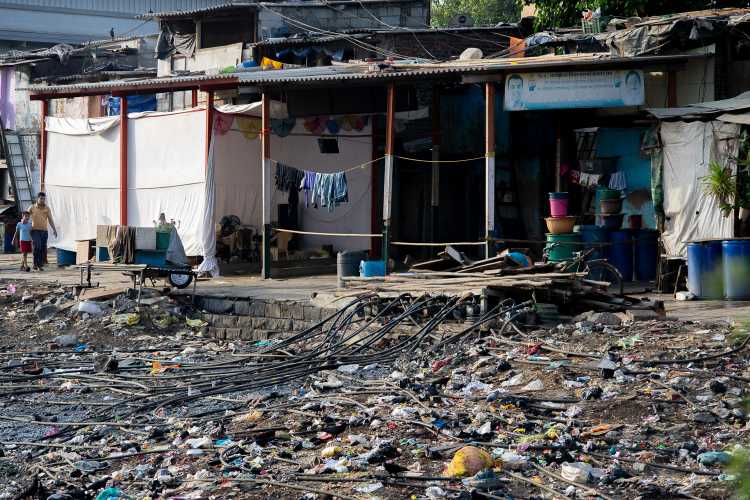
pixel 23 236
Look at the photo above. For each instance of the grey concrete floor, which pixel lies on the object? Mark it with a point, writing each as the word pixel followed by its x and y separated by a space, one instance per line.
pixel 324 287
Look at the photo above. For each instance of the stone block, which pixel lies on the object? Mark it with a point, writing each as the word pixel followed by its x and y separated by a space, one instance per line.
pixel 259 322
pixel 245 322
pixel 233 333
pixel 247 334
pixel 296 311
pixel 228 321
pixel 243 308
pixel 273 310
pixel 258 308
pixel 311 313
pixel 302 325
pixel 217 333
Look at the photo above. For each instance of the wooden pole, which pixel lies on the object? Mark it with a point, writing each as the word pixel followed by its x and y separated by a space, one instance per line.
pixel 194 95
pixel 388 173
pixel 489 167
pixel 43 144
pixel 123 160
pixel 436 140
pixel 266 181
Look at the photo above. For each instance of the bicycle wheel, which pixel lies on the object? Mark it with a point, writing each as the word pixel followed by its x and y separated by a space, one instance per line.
pixel 599 270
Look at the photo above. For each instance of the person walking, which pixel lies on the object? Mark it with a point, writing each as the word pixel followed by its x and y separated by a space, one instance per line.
pixel 22 236
pixel 41 219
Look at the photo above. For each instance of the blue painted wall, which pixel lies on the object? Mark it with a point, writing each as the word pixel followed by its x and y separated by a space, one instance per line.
pixel 625 143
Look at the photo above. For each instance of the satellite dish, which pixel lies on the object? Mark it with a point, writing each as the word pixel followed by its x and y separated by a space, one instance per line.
pixel 462 21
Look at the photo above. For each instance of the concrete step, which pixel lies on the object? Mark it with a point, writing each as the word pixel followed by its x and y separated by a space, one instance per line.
pixel 257 323
pixel 281 309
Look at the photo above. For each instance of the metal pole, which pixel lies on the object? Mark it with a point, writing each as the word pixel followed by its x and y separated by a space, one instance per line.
pixel 123 160
pixel 265 138
pixel 43 144
pixel 436 139
pixel 489 167
pixel 388 173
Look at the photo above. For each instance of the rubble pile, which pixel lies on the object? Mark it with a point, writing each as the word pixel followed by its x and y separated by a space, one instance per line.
pixel 416 396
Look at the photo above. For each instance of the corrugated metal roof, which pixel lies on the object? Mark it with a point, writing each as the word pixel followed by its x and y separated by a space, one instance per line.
pixel 114 85
pixel 375 71
pixel 415 71
pixel 703 109
pixel 130 7
pixel 212 9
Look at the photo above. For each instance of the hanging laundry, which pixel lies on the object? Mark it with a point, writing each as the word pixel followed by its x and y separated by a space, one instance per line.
pixel 249 126
pixel 283 127
pixel 288 178
pixel 268 63
pixel 223 123
pixel 308 185
pixel 325 190
pixel 316 125
pixel 618 181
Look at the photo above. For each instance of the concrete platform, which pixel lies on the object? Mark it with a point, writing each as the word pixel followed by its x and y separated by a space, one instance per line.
pixel 319 290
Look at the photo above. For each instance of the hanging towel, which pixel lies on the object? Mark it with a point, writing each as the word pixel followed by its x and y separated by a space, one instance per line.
pixel 618 181
pixel 341 188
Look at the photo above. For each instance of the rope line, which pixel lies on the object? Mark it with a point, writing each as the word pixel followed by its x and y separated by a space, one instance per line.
pixel 455 244
pixel 465 160
pixel 313 233
pixel 350 169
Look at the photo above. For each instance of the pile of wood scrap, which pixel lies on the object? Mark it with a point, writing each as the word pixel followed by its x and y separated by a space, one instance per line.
pixel 507 262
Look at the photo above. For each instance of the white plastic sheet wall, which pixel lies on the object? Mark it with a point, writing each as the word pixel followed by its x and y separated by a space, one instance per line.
pixel 688 150
pixel 82 179
pixel 167 172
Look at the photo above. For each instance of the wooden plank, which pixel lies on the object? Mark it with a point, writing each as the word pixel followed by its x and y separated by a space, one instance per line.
pixel 101 293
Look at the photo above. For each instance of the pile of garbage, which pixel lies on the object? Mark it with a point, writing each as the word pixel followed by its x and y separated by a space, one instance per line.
pixel 384 399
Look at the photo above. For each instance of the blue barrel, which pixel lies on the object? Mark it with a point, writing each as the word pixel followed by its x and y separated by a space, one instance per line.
pixel 593 237
pixel 621 253
pixel 694 262
pixel 705 269
pixel 646 254
pixel 8 243
pixel 736 257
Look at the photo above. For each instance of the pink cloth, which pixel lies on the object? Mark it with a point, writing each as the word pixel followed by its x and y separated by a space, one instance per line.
pixel 7 89
pixel 223 123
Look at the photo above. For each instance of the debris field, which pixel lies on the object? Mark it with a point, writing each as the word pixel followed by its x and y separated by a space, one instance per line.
pixel 401 396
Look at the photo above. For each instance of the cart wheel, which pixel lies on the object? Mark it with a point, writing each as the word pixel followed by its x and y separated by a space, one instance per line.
pixel 180 280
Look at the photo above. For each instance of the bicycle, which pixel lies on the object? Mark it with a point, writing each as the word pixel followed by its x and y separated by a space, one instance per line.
pixel 595 269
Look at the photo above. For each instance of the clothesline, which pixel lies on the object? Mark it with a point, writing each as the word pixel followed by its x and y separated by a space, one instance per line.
pixel 346 171
pixel 369 163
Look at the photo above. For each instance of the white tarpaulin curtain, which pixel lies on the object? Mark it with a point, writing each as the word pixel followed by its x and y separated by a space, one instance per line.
pixel 166 174
pixel 82 178
pixel 689 148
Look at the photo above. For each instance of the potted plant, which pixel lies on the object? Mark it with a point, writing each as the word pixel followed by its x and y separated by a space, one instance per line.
pixel 721 184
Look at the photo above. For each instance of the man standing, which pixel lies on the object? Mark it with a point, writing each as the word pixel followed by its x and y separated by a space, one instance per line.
pixel 41 217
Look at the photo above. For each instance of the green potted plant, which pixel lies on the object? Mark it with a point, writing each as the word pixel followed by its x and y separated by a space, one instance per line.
pixel 721 184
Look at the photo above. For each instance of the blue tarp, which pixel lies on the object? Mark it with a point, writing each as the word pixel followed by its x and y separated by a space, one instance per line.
pixel 136 104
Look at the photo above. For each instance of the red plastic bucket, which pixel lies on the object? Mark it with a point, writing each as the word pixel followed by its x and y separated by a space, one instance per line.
pixel 558 207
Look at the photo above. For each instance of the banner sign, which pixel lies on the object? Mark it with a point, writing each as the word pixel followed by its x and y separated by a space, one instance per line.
pixel 580 89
